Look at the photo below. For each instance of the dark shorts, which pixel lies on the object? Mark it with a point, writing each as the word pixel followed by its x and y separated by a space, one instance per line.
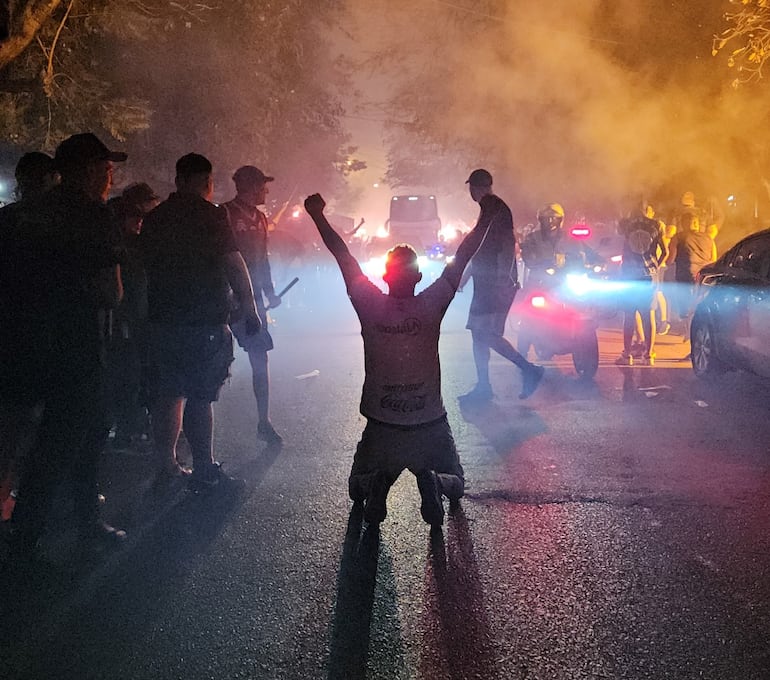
pixel 489 309
pixel 189 361
pixel 393 449
pixel 257 342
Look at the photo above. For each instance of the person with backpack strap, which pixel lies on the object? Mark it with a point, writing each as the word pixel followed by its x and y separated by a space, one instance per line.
pixel 643 251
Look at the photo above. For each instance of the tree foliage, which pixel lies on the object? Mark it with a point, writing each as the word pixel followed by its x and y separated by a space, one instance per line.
pixel 587 103
pixel 243 82
pixel 57 63
pixel 749 34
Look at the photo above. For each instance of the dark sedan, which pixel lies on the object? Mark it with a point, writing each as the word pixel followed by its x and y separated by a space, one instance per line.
pixel 731 326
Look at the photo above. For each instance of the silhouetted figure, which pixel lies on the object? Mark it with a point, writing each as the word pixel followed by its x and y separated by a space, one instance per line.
pixel 192 262
pixel 249 225
pixel 689 251
pixel 19 414
pixel 495 282
pixel 401 399
pixel 643 251
pixel 127 355
pixel 72 267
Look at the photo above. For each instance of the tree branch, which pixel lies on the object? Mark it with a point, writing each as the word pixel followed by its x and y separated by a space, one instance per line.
pixel 23 32
pixel 48 78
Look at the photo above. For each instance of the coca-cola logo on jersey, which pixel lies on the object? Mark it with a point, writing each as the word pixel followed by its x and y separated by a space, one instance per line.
pixel 403 404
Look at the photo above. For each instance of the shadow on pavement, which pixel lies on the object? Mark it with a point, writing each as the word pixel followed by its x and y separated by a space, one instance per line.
pixel 66 615
pixel 458 640
pixel 356 582
pixel 256 469
pixel 507 429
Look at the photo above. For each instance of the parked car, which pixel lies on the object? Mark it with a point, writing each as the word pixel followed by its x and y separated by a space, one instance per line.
pixel 730 329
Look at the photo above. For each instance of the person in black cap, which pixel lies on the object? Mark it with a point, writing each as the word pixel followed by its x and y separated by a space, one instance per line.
pixel 72 265
pixel 141 196
pixel 249 225
pixel 35 174
pixel 192 263
pixel 495 282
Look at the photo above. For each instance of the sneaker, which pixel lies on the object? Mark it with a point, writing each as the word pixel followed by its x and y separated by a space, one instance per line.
pixel 375 505
pixel 266 432
pixel 648 359
pixel 481 394
pixel 431 507
pixel 637 350
pixel 664 328
pixel 213 479
pixel 532 378
pixel 625 359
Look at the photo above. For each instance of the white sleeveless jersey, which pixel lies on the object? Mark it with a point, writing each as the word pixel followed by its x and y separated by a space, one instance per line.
pixel 403 375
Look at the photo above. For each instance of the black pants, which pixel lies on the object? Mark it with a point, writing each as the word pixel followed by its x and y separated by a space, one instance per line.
pixel 72 434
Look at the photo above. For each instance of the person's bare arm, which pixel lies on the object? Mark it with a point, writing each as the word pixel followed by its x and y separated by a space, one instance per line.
pixel 672 248
pixel 348 264
pixel 470 244
pixel 240 282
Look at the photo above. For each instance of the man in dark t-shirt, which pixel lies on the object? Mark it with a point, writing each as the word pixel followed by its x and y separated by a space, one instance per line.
pixel 495 281
pixel 689 251
pixel 35 175
pixel 70 262
pixel 192 263
pixel 643 251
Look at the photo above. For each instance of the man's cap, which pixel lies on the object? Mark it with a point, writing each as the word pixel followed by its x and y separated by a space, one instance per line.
pixel 138 193
pixel 193 164
pixel 82 149
pixel 34 166
pixel 248 174
pixel 480 178
pixel 122 209
pixel 551 210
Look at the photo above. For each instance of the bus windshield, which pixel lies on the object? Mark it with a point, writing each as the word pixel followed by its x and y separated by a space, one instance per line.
pixel 413 208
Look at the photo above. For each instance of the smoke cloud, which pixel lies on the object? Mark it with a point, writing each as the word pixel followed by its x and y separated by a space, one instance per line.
pixel 594 104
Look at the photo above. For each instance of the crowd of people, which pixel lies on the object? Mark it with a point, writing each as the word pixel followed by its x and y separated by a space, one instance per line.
pixel 662 260
pixel 118 316
pixel 658 260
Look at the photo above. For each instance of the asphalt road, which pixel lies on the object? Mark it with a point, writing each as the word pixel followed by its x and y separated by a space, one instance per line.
pixel 611 529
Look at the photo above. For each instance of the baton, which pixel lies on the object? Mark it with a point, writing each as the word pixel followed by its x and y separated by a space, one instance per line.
pixel 286 290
